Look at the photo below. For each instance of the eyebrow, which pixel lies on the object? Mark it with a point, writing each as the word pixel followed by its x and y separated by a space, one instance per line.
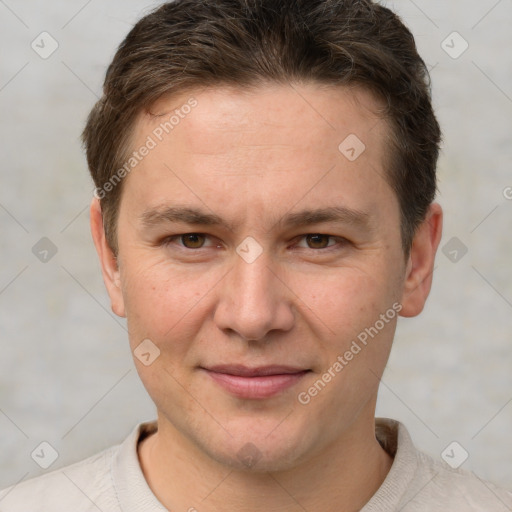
pixel 194 216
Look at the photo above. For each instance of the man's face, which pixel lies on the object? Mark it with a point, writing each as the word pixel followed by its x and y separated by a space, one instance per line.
pixel 265 289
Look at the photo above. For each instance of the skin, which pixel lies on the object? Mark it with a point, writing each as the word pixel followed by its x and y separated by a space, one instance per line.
pixel 252 157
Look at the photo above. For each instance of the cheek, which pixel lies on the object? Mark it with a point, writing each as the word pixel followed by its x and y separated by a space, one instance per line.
pixel 345 302
pixel 357 341
pixel 163 303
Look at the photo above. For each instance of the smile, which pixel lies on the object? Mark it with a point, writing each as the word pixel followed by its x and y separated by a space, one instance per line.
pixel 255 383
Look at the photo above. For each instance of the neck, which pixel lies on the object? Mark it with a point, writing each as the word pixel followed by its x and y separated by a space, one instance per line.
pixel 343 476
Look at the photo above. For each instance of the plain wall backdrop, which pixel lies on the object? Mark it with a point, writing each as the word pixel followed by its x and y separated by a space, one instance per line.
pixel 66 372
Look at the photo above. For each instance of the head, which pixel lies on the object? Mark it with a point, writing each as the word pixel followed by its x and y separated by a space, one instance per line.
pixel 296 145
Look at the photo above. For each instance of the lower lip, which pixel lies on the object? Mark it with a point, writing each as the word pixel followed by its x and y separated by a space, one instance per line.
pixel 256 387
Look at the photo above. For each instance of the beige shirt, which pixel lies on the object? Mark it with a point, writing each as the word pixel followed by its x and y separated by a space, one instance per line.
pixel 112 481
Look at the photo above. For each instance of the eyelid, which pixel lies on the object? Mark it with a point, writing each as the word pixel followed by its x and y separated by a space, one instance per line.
pixel 340 241
pixel 170 239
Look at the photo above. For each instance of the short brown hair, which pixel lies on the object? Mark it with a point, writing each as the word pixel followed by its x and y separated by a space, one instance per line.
pixel 189 44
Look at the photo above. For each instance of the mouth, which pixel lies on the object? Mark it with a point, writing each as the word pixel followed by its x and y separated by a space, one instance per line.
pixel 255 383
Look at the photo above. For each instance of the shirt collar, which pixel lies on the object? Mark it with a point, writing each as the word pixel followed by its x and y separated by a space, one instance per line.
pixel 134 493
pixel 394 438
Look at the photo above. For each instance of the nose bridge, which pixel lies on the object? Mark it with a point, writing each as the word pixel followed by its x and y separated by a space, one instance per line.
pixel 253 278
pixel 253 300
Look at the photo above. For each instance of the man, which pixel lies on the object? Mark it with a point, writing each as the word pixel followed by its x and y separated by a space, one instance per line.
pixel 263 213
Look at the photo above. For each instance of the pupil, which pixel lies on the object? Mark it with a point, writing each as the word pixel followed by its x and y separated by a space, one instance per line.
pixel 315 239
pixel 193 240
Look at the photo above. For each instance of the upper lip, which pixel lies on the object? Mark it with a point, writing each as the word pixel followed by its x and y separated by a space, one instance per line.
pixel 259 371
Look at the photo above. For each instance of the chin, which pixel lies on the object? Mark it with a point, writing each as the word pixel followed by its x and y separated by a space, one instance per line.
pixel 259 459
pixel 268 448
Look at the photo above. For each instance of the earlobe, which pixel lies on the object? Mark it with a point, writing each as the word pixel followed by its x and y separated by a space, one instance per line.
pixel 108 261
pixel 420 265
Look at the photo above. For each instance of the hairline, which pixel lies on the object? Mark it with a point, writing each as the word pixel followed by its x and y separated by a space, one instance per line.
pixel 354 87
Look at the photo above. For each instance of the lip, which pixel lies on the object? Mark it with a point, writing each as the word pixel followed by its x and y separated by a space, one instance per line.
pixel 255 383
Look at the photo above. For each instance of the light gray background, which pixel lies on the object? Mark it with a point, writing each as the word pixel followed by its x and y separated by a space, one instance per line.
pixel 66 373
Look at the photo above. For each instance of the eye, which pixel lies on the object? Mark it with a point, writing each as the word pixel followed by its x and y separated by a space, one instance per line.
pixel 188 240
pixel 193 240
pixel 321 241
pixel 316 241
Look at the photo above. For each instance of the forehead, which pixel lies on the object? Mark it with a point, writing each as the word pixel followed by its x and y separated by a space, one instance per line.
pixel 308 114
pixel 291 142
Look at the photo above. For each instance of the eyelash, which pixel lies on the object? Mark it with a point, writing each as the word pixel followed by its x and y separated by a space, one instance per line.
pixel 341 241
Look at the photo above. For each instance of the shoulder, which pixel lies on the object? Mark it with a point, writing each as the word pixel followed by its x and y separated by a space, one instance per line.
pixel 457 489
pixel 420 483
pixel 81 487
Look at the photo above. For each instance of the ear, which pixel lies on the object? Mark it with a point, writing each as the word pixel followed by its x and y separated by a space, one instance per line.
pixel 420 266
pixel 109 265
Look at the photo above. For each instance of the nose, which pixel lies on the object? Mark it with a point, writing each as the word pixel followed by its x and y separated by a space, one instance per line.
pixel 254 300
